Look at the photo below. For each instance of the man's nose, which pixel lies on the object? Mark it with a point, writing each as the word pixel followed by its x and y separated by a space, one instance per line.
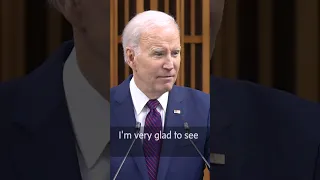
pixel 168 64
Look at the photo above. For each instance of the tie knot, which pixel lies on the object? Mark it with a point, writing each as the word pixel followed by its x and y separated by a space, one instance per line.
pixel 153 104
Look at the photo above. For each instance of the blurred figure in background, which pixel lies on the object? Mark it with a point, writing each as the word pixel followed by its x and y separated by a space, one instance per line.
pixel 259 133
pixel 56 119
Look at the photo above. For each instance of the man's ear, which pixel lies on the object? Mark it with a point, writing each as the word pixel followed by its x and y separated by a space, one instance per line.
pixel 71 10
pixel 130 57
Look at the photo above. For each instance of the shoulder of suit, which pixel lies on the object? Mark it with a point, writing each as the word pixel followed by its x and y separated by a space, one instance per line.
pixel 194 95
pixel 113 91
pixel 192 91
pixel 180 88
pixel 10 93
pixel 11 88
pixel 245 90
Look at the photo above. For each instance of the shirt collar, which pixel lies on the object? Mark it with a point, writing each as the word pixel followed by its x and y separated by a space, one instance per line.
pixel 139 99
pixel 89 112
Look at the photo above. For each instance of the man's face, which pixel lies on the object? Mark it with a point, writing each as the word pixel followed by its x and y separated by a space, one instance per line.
pixel 90 20
pixel 156 66
pixel 96 21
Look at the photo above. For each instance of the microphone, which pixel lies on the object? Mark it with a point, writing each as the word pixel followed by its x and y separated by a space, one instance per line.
pixel 186 127
pixel 138 126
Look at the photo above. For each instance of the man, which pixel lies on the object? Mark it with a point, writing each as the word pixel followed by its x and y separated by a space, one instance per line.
pixel 151 44
pixel 259 133
pixel 54 122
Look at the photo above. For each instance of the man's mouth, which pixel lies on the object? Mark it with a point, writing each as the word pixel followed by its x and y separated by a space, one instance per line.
pixel 166 76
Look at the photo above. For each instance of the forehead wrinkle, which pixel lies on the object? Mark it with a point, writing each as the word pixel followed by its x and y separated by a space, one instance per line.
pixel 155 34
pixel 163 48
pixel 157 48
pixel 154 43
pixel 151 40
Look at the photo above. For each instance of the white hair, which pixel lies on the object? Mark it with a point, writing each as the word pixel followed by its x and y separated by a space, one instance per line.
pixel 143 22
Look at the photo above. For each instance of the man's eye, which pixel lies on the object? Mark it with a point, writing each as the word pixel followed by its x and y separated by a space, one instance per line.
pixel 175 53
pixel 158 53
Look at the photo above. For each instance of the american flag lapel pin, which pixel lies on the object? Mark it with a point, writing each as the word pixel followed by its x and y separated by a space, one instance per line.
pixel 176 111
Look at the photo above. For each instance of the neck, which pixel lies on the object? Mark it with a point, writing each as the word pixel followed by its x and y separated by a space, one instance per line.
pixel 94 68
pixel 146 90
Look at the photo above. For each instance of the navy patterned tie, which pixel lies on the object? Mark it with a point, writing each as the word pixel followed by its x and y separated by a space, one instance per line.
pixel 152 148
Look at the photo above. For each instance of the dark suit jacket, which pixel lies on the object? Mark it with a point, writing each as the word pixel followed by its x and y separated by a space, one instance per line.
pixel 265 134
pixel 179 159
pixel 36 132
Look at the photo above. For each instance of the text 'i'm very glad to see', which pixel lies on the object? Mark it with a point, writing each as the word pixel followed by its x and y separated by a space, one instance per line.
pixel 158 136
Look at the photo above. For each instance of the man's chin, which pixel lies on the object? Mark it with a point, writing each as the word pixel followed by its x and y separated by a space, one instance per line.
pixel 162 88
pixel 168 87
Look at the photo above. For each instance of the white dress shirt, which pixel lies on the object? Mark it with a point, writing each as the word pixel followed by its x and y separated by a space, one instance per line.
pixel 90 116
pixel 140 100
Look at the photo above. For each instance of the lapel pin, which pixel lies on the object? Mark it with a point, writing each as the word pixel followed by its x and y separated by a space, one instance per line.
pixel 176 111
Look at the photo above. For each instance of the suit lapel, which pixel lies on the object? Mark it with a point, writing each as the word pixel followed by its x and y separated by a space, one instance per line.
pixel 173 123
pixel 220 127
pixel 123 116
pixel 61 151
pixel 219 106
pixel 48 152
pixel 47 145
